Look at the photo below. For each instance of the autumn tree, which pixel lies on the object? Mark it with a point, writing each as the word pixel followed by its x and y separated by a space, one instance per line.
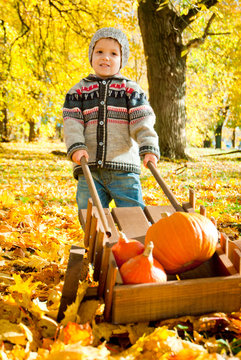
pixel 214 79
pixel 234 65
pixel 162 25
pixel 3 76
pixel 45 52
pixel 35 59
pixel 10 33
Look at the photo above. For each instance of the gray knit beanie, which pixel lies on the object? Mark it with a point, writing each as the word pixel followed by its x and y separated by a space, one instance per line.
pixel 110 32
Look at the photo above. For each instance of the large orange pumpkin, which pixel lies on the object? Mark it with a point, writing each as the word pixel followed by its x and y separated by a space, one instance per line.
pixel 182 241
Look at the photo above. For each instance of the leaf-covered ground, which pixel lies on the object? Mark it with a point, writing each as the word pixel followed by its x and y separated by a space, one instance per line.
pixel 38 224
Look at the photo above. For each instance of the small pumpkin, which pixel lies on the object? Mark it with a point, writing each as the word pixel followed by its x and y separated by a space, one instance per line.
pixel 126 248
pixel 182 241
pixel 143 269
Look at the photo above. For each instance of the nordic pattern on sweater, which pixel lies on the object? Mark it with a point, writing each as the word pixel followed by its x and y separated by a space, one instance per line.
pixel 112 120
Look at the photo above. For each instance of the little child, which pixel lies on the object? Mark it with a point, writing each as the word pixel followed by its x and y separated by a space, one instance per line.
pixel 108 120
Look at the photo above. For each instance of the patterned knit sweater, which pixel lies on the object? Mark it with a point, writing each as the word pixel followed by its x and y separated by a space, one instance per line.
pixel 112 120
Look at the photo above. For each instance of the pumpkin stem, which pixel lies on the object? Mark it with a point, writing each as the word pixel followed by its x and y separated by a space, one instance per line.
pixel 148 250
pixel 123 237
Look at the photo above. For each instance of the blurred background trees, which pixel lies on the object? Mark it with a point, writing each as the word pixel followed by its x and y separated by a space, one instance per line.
pixel 44 51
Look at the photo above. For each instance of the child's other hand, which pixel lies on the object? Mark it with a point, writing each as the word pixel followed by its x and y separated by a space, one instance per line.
pixel 150 157
pixel 77 155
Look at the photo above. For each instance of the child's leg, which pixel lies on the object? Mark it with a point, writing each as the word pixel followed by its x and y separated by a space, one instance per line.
pixel 83 194
pixel 125 189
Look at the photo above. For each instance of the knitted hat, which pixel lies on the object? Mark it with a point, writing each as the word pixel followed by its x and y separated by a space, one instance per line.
pixel 110 32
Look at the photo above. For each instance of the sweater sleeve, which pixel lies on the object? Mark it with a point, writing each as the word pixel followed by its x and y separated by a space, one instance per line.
pixel 142 120
pixel 73 122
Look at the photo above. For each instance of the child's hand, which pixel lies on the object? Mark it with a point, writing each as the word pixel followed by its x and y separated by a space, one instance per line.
pixel 77 155
pixel 150 157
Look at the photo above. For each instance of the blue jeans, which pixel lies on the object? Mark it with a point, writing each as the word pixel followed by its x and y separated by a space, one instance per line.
pixel 122 187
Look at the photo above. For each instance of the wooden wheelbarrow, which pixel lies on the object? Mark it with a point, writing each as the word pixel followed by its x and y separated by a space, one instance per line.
pixel 213 286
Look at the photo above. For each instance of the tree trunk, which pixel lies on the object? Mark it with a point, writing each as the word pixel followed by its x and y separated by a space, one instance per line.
pixel 32 134
pixel 207 143
pixel 4 122
pixel 166 72
pixel 218 136
pixel 234 138
pixel 223 113
pixel 4 127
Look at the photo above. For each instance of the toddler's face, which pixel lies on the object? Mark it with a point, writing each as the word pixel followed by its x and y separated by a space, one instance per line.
pixel 106 58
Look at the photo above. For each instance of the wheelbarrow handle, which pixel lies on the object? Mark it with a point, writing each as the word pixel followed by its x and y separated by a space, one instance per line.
pixel 164 187
pixel 94 195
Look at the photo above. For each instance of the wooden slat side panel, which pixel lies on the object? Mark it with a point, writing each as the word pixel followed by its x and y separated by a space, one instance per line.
pixel 84 221
pixel 188 207
pixel 225 266
pixel 217 265
pixel 92 237
pixel 202 210
pixel 224 243
pixel 132 221
pixel 176 298
pixel 155 213
pixel 192 198
pixel 238 243
pixel 82 217
pixel 86 225
pixel 232 245
pixel 104 268
pixel 110 284
pixel 237 260
pixel 114 232
pixel 206 270
pixel 98 250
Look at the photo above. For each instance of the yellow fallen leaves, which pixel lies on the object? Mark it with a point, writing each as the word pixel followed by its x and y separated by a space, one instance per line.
pixel 77 352
pixel 14 333
pixel 104 331
pixel 161 344
pixel 47 327
pixel 88 310
pixel 216 183
pixel 7 199
pixel 70 315
pixel 39 223
pixel 77 333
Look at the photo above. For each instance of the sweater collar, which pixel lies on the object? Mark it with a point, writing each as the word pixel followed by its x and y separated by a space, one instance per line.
pixel 93 77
